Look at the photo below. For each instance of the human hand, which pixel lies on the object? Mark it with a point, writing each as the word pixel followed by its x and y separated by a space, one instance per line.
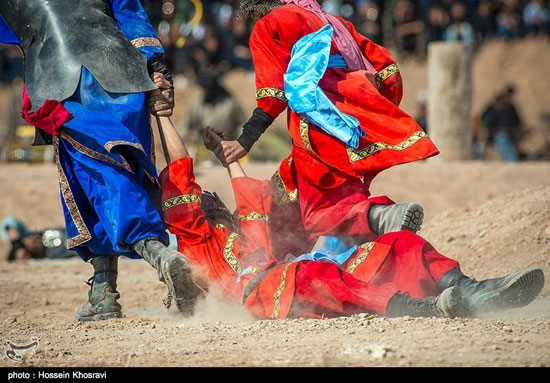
pixel 161 101
pixel 212 141
pixel 233 151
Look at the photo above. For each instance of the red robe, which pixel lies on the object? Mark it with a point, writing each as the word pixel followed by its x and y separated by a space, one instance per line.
pixel 317 158
pixel 245 267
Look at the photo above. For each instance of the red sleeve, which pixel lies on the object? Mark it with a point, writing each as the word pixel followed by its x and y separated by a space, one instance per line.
pixel 388 79
pixel 253 199
pixel 181 202
pixel 271 60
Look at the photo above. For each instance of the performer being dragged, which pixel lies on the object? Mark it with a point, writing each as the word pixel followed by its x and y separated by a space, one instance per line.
pixel 343 92
pixel 87 65
pixel 396 274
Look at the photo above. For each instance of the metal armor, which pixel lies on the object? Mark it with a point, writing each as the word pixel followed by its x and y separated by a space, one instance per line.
pixel 60 36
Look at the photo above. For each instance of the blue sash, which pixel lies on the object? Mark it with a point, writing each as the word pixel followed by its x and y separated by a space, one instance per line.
pixel 309 60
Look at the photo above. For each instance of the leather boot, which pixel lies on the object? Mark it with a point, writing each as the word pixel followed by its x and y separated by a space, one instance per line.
pixel 449 304
pixel 174 270
pixel 389 218
pixel 102 298
pixel 492 295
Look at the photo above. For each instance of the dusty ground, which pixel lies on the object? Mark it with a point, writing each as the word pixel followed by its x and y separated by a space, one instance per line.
pixel 493 218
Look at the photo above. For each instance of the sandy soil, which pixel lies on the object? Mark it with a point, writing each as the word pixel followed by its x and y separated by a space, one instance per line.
pixel 493 218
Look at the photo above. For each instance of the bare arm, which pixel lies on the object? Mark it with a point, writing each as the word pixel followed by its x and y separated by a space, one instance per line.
pixel 174 144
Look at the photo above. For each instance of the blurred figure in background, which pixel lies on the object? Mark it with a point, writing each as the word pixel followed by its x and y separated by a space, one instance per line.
pixel 460 29
pixel 216 108
pixel 536 17
pixel 27 244
pixel 408 28
pixel 504 127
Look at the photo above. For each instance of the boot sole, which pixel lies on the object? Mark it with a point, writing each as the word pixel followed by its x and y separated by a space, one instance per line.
pixel 521 290
pixel 184 291
pixel 413 218
pixel 452 304
pixel 100 317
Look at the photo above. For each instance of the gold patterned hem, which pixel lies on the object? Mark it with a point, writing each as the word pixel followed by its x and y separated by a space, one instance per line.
pixel 180 200
pixel 146 42
pixel 278 293
pixel 384 74
pixel 365 250
pixel 94 154
pixel 271 92
pixel 284 195
pixel 254 216
pixel 229 256
pixel 359 154
pixel 68 197
pixel 304 133
pixel 111 144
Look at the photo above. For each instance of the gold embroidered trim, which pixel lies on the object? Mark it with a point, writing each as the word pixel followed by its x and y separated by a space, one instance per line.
pixel 111 144
pixel 220 226
pixel 146 42
pixel 366 249
pixel 68 197
pixel 304 132
pixel 180 200
pixel 356 155
pixel 271 92
pixel 281 188
pixel 254 216
pixel 93 154
pixel 278 293
pixel 229 256
pixel 153 153
pixel 384 74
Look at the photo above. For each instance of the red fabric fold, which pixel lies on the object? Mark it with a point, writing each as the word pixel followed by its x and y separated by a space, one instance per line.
pixel 49 117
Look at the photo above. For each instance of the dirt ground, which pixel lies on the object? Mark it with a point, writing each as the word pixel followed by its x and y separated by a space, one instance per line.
pixel 493 218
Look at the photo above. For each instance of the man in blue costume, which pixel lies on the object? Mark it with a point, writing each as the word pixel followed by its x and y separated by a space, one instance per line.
pixel 87 75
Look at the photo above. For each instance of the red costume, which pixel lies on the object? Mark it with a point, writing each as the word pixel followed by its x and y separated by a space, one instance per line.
pixel 245 267
pixel 321 172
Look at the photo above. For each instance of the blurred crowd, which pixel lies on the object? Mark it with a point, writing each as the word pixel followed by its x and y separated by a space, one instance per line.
pixel 219 41
pixel 209 36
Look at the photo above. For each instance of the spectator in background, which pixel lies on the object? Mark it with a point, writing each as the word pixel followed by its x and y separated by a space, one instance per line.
pixel 237 43
pixel 509 20
pixel 484 21
pixel 503 123
pixel 368 20
pixel 437 23
pixel 217 108
pixel 459 29
pixel 408 28
pixel 26 244
pixel 421 116
pixel 536 17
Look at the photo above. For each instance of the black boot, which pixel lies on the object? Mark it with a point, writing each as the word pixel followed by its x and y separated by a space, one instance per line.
pixel 449 304
pixel 491 295
pixel 174 270
pixel 102 298
pixel 389 218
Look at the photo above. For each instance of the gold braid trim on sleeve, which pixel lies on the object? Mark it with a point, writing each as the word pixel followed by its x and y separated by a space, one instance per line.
pixel 254 216
pixel 384 74
pixel 180 200
pixel 271 92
